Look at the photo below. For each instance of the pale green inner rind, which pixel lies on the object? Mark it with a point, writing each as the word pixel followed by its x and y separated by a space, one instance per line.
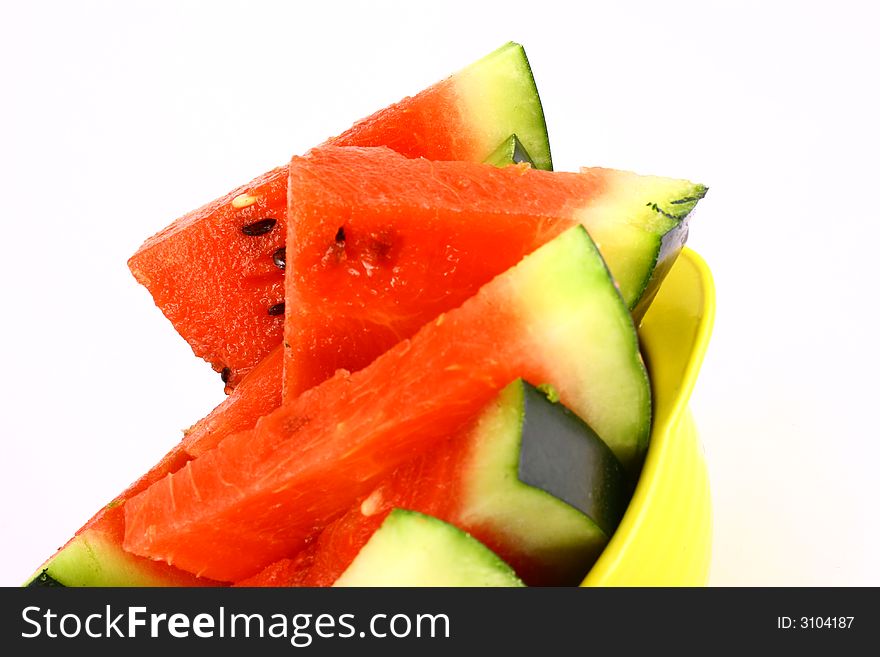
pixel 629 220
pixel 92 560
pixel 583 330
pixel 413 549
pixel 497 96
pixel 539 524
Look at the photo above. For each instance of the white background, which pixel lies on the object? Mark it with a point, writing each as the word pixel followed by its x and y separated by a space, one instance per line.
pixel 116 118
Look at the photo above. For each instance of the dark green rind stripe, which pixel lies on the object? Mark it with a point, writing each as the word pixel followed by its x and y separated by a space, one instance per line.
pixel 670 245
pixel 562 455
pixel 687 203
pixel 44 579
pixel 540 160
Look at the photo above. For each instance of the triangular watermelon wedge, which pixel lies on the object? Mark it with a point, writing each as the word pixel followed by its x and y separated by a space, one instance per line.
pixel 379 244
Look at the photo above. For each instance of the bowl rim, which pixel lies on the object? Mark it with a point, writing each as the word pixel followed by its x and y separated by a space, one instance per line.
pixel 702 336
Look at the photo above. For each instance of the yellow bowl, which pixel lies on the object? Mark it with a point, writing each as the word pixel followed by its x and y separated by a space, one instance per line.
pixel 665 536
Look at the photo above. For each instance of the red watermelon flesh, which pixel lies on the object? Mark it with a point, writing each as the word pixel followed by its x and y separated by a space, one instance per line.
pixel 259 495
pixel 216 273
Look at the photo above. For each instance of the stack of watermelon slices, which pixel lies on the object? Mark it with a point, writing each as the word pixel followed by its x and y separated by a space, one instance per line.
pixel 417 315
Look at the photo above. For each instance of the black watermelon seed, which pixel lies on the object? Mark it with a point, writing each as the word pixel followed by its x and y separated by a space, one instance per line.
pixel 260 227
pixel 340 234
pixel 277 309
pixel 224 374
pixel 280 258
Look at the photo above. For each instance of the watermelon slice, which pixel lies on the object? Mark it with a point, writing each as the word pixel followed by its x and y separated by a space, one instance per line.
pixel 556 318
pixel 365 225
pixel 217 272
